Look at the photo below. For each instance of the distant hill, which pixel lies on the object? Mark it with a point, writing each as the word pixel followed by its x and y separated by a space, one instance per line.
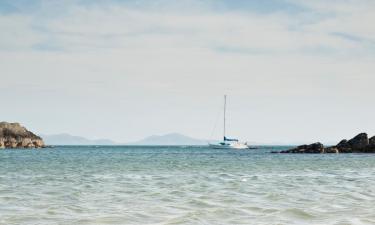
pixel 67 139
pixel 169 139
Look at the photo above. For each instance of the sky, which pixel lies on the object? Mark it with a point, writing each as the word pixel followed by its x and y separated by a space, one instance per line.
pixel 294 70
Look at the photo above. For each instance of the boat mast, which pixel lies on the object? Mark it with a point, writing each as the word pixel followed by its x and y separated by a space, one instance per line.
pixel 225 107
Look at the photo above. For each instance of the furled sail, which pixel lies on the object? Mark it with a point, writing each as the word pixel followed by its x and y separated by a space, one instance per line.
pixel 229 139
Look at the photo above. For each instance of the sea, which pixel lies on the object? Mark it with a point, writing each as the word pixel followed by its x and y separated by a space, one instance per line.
pixel 184 185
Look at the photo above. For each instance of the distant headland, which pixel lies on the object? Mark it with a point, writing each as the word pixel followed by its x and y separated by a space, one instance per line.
pixel 13 135
pixel 359 144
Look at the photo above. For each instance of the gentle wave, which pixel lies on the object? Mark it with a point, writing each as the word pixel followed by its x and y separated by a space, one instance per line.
pixel 189 185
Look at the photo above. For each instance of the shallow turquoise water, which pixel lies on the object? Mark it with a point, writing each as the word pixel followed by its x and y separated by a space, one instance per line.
pixel 184 185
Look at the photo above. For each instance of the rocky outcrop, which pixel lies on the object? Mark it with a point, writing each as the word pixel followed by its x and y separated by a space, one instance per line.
pixel 331 150
pixel 359 144
pixel 372 141
pixel 13 135
pixel 313 148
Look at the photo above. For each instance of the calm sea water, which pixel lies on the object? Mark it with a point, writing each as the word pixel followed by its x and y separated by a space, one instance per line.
pixel 184 185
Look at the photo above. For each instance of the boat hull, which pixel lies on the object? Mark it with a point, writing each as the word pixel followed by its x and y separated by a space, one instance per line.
pixel 231 146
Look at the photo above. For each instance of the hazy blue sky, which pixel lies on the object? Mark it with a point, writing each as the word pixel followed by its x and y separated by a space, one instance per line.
pixel 294 70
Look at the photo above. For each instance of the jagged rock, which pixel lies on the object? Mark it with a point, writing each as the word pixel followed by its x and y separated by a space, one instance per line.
pixel 372 141
pixel 39 143
pixel 359 142
pixel 331 150
pixel 343 146
pixel 10 142
pixel 312 149
pixel 343 143
pixel 13 135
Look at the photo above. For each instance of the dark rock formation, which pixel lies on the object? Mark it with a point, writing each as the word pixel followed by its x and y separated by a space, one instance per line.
pixel 331 150
pixel 343 146
pixel 342 143
pixel 313 148
pixel 13 135
pixel 359 144
pixel 372 141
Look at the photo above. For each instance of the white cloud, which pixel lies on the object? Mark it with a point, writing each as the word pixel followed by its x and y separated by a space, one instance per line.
pixel 121 27
pixel 17 32
pixel 350 17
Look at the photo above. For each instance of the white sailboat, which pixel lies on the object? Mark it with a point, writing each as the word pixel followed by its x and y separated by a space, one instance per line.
pixel 228 143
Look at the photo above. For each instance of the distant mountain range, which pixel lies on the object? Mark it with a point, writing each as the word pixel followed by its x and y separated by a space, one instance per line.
pixel 67 139
pixel 167 139
pixel 170 139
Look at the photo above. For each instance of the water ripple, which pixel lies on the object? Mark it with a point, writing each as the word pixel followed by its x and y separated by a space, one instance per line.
pixel 171 185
